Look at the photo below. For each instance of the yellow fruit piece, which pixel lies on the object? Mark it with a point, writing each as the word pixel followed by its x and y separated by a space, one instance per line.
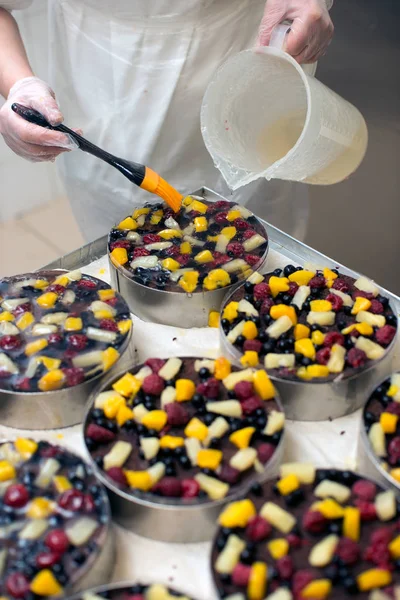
pixel 53 380
pixel 128 223
pixel 395 473
pixel 373 578
pixel 305 347
pixel 394 547
pixel 330 509
pixel 281 310
pixel 229 232
pixel 47 300
pixel 119 256
pixel 257 586
pixel 233 215
pixel 360 304
pixel 204 257
pixel 139 480
pixel 140 211
pixel 106 294
pixel 73 324
pixel 328 274
pixel 45 584
pixel 25 321
pixel 237 514
pixel 392 391
pixel 170 264
pixel 388 422
pixel 155 419
pixel 196 429
pixel 320 305
pixel 171 441
pixel 168 234
pixel 313 371
pixel 41 284
pixel 222 368
pixel 187 201
pixel 351 523
pixel 112 405
pixel 241 438
pixel 124 326
pixel 317 589
pixel 50 363
pixel 216 278
pixel 103 314
pixel 278 548
pixel 200 224
pixel 7 316
pixel 250 330
pixel 185 389
pixel 209 459
pixel 198 206
pixel 230 311
pixel 213 319
pixel 40 508
pixel 25 446
pixel 250 359
pixel 317 338
pixel 189 281
pixel 278 284
pixel 35 347
pixel 301 332
pixel 263 385
pixel 61 280
pixel 110 357
pixel 61 483
pixel 185 248
pixel 127 385
pixel 124 414
pixel 288 484
pixel 301 277
pixel 7 471
pixel 155 218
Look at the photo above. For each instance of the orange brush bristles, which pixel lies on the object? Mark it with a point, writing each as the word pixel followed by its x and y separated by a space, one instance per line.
pixel 152 182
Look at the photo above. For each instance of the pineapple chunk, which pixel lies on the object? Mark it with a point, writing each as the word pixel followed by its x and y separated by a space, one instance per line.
pixel 254 242
pixel 47 471
pixel 235 332
pixel 170 369
pixel 277 517
pixel 247 308
pixel 377 439
pixel 305 472
pixel 385 505
pixel 204 363
pixel 8 365
pixel 101 335
pixel 143 373
pixel 336 359
pixel 274 361
pixel 230 555
pixel 372 350
pixel 139 412
pixel 56 318
pixel 81 530
pixel 237 376
pixel 99 306
pixel 332 489
pixel 33 529
pixel 118 455
pixel 88 359
pixel 150 447
pixel 235 265
pixel 280 326
pixel 276 421
pixel 279 594
pixel 323 552
pixel 193 447
pixel 347 299
pixel 217 429
pixel 104 397
pixel 255 278
pixel 321 318
pixel 227 408
pixel 374 320
pixel 366 285
pixel 168 395
pixel 156 472
pixel 215 489
pixel 301 296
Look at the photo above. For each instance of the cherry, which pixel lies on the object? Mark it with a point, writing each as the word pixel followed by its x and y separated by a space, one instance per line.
pixel 57 541
pixel 47 559
pixel 72 500
pixel 16 495
pixel 17 585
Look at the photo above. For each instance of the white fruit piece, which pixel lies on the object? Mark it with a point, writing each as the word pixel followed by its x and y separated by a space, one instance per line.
pixel 301 296
pixel 274 361
pixel 237 596
pixel 148 262
pixel 258 466
pixel 168 395
pixel 7 364
pixel 305 472
pixel 81 530
pixel 235 265
pixel 347 300
pixel 143 373
pixel 336 359
pixel 193 447
pixel 279 327
pixel 378 595
pixel 394 380
pixel 3 558
pixel 377 439
pixel 188 230
pixel 235 332
pixel 102 398
pixel 255 278
pixel 230 555
pixel 156 472
pixel 321 318
pixel 372 350
pixel 90 596
pixel 54 318
pixel 34 529
pixel 222 242
pixel 366 285
pixel 397 592
pixel 32 367
pixel 332 489
pixel 75 275
pixel 101 335
pixel 88 359
pixel 385 505
pixel 24 283
pixel 254 242
pixel 99 305
pixel 118 455
pixel 245 212
pixel 247 308
pixel 12 303
pixel 150 447
pixel 172 224
pixel 217 429
pixel 237 376
pixel 215 488
pixel 7 328
pixel 280 594
pixel 159 246
pixel 49 468
pixel 134 237
pixel 170 369
pixel 193 241
pixel 276 421
pixel 374 320
pixel 277 517
pixel 139 412
pixel 68 298
pixel 176 275
pixel 10 454
pixel 204 363
pixel 227 408
pixel 43 329
pixel 323 552
pixel 243 459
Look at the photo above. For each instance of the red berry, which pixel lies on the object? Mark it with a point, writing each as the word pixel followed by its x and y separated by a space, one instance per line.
pixel 120 244
pixel 229 474
pixel 44 560
pixel 99 434
pixel 348 551
pixel 177 414
pixel 22 308
pixel 294 540
pixel 190 488
pixel 376 307
pixel 89 504
pixel 379 554
pixel 361 294
pixel 183 259
pixel 109 325
pixel 169 487
pixel 394 446
pixel 72 500
pixel 17 585
pixel 243 390
pixel 172 251
pixel 23 384
pixel 55 339
pixel 336 301
pixel 57 541
pixel 251 404
pixel 10 342
pixel 293 287
pixel 356 358
pixel 265 452
pixel 249 234
pixel 322 357
pixel 367 510
pixel 16 495
pixel 383 535
pixel 341 285
pixel 151 238
pixel 364 489
pixel 317 282
pixel 258 529
pixel 220 218
pixel 57 289
pixel 252 345
pixel 117 474
pixel 155 364
pixel 222 205
pixel 285 567
pixel 385 335
pixel 300 580
pixel 235 249
pixel 77 341
pixel 266 306
pixel 252 259
pixel 241 224
pixel 314 521
pixel 209 389
pixel 393 408
pixel 333 337
pixel 49 451
pixel 139 252
pixel 261 291
pixel 87 284
pixel 69 354
pixel 112 301
pixel 241 575
pixel 74 376
pixel 153 384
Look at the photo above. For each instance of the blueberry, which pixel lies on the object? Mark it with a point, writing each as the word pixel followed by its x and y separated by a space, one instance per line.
pixel 137 589
pixel 99 461
pixel 204 373
pixel 315 328
pixel 97 413
pixel 288 270
pixel 240 340
pixel 141 429
pixel 369 417
pixel 348 478
pixel 197 400
pixel 214 443
pixel 286 299
pixel 232 395
pixel 306 361
pixel 248 286
pixel 277 273
pixel 256 489
pixel 331 573
pixel 221 541
pixel 202 495
pixel 209 418
pixel 348 344
pixel 263 336
pixel 225 325
pixel 208 472
pixel 261 422
pixel 351 585
pixel 234 424
pixel 347 310
pixel 225 578
pixel 276 437
pixel 78 557
pixel 295 498
pixel 248 297
pixel 247 556
pixel 383 300
pixel 256 320
pixel 335 527
pixel 391 320
pixel 185 462
pixel 170 471
pixel 129 425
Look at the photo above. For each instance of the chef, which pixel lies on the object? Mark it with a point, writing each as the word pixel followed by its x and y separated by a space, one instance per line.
pixel 132 75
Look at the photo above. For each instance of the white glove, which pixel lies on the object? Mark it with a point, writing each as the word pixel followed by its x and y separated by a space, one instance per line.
pixel 311 30
pixel 27 140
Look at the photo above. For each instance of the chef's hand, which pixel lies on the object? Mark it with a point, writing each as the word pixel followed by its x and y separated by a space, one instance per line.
pixel 311 30
pixel 27 140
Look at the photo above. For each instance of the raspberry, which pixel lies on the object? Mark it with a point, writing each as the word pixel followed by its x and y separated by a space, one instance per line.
pixel 383 535
pixel 16 495
pixel 169 487
pixel 348 551
pixel 77 341
pixel 177 414
pixel 23 384
pixel 120 244
pixel 151 238
pixel 300 580
pixel 139 252
pixel 367 510
pixel 341 285
pixel 10 342
pixel 209 389
pixel 241 224
pixel 364 489
pixel 314 521
pixel 252 345
pixel 17 585
pixel 261 291
pixel 385 335
pixel 258 529
pixel 190 488
pixel 336 301
pixel 112 301
pixel 294 540
pixel 155 364
pixel 44 560
pixel 317 282
pixel 265 452
pixel 57 289
pixel 378 553
pixel 266 306
pixel 241 575
pixel 99 434
pixel 117 474
pixel 22 308
pixel 222 205
pixel 229 474
pixel 172 251
pixel 74 376
pixel 55 339
pixel 285 567
pixel 361 294
pixel 252 259
pixel 153 384
pixel 333 337
pixel 87 284
pixel 72 500
pixel 243 390
pixel 249 234
pixel 293 287
pixel 322 357
pixel 356 358
pixel 376 307
pixel 109 325
pixel 235 249
pixel 221 258
pixel 183 259
pixel 69 354
pixel 394 446
pixel 57 541
pixel 251 404
pixel 393 408
pixel 220 218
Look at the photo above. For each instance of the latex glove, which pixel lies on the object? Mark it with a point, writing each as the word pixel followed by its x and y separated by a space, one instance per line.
pixel 27 140
pixel 311 30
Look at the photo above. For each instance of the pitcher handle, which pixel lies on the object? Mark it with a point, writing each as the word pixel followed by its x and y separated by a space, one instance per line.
pixel 277 40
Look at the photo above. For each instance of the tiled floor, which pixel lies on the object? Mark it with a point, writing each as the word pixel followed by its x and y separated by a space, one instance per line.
pixel 38 238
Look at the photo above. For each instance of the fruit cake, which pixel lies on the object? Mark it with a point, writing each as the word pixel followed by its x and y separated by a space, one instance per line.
pixel 205 246
pixel 58 329
pixel 54 519
pixel 184 428
pixel 308 325
pixel 311 534
pixel 133 592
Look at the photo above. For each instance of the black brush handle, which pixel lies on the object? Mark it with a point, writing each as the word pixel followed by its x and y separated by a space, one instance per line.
pixel 133 171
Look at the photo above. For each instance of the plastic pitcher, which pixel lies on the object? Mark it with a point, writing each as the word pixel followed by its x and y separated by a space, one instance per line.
pixel 264 115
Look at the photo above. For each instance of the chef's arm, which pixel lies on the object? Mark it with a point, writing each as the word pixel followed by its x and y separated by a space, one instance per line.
pixel 14 64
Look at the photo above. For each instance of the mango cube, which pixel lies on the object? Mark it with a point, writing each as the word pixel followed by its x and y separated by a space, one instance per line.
pixel 128 385
pixel 35 347
pixel 25 446
pixel 319 589
pixel 47 300
pixel 61 483
pixel 73 324
pixel 317 338
pixel 351 523
pixel 305 347
pixel 199 207
pixel 119 256
pixel 40 508
pixel 188 281
pixel 222 368
pixel 250 330
pixel 329 274
pixel 185 390
pixel 257 584
pixel 196 429
pixel 263 385
pixel 124 326
pixel 112 405
pixel 7 471
pixel 209 459
pixel 53 380
pixel 281 310
pixel 233 215
pixel 25 321
pixel 288 484
pixel 110 357
pixel 213 319
pixel 330 509
pixel 278 548
pixel 171 441
pixel 320 305
pixel 237 514
pixel 203 257
pixel 45 584
pixel 250 359
pixel 50 363
pixel 200 224
pixel 139 480
pixel 373 578
pixel 129 224
pixel 185 248
pixel 8 317
pixel 241 438
pixel 106 294
pixel 394 547
pixel 301 277
pixel 155 419
pixel 216 278
pixel 360 304
pixel 301 332
pixel 388 422
pixel 124 414
pixel 170 264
